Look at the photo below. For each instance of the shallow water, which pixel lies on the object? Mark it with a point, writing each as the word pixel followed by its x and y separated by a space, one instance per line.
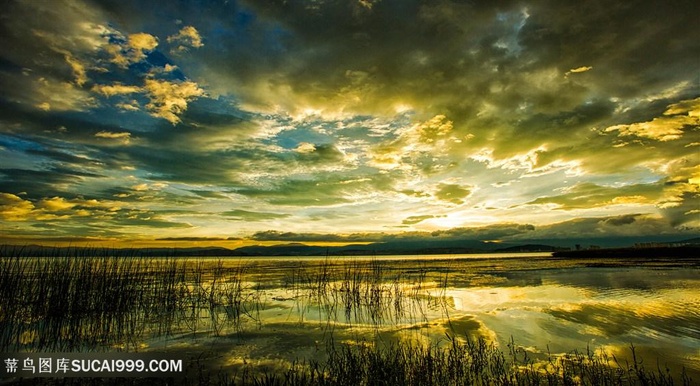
pixel 268 312
pixel 547 306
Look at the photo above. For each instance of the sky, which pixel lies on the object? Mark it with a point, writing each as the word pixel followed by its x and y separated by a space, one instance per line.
pixel 345 121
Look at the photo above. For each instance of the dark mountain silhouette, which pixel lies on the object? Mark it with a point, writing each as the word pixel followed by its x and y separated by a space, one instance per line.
pixel 402 247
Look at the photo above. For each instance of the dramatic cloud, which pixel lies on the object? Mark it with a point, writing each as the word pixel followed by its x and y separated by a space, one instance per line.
pixel 169 99
pixel 349 121
pixel 142 42
pixel 668 127
pixel 14 208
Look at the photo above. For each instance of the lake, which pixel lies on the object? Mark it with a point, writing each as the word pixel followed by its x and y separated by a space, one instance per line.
pixel 543 304
pixel 265 313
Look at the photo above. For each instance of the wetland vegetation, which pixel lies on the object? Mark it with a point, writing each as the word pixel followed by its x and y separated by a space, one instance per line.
pixel 328 321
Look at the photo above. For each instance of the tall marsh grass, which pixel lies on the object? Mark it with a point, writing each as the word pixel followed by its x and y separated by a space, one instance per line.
pixel 89 301
pixel 94 300
pixel 462 363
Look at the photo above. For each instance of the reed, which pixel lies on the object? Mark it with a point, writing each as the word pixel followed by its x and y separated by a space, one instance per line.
pixel 462 363
pixel 94 300
pixel 98 300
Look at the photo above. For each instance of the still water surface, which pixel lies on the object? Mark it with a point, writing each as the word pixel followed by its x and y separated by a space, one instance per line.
pixel 293 307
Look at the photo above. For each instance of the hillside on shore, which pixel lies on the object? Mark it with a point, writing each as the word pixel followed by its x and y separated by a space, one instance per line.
pixel 685 248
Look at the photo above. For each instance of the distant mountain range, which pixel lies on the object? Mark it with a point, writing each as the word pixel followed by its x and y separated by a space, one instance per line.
pixel 413 247
pixel 675 252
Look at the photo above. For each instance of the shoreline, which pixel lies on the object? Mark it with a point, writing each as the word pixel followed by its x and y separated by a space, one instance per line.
pixel 682 252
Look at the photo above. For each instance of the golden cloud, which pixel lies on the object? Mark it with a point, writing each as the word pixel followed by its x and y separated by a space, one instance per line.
pixel 14 208
pixel 668 127
pixel 185 38
pixel 578 70
pixel 430 136
pixel 125 137
pixel 115 89
pixel 305 148
pixel 140 43
pixel 78 69
pixel 133 51
pixel 55 204
pixel 169 99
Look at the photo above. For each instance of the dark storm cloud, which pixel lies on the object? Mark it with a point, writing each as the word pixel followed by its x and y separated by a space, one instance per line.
pixel 63 157
pixel 416 219
pixel 180 162
pixel 64 138
pixel 134 194
pixel 41 183
pixel 685 210
pixel 445 50
pixel 551 72
pixel 612 227
pixel 633 47
pixel 320 154
pixel 340 104
pixel 543 126
pixel 622 220
pixel 491 232
pixel 183 164
pixel 622 227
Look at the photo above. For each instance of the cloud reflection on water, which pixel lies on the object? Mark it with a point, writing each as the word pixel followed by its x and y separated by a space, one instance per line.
pixel 545 305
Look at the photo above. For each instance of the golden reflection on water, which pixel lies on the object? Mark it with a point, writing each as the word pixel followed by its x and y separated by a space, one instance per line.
pixel 545 305
pixel 271 311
